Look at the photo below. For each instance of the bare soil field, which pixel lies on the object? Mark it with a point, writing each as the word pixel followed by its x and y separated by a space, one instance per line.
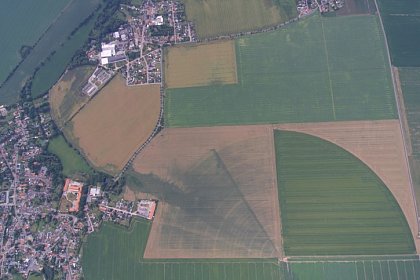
pixel 218 193
pixel 110 128
pixel 200 65
pixel 66 96
pixel 379 144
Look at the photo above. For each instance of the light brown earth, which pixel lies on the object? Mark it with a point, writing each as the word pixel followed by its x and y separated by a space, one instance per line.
pixel 200 65
pixel 66 96
pixel 218 193
pixel 379 144
pixel 110 128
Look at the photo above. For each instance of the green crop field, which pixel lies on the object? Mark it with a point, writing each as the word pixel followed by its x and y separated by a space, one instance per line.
pixel 333 204
pixel 52 40
pixel 72 162
pixel 220 17
pixel 318 69
pixel 22 23
pixel 380 269
pixel 117 253
pixel 402 27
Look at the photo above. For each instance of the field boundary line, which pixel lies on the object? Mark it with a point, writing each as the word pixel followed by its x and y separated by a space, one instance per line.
pixel 401 125
pixel 328 68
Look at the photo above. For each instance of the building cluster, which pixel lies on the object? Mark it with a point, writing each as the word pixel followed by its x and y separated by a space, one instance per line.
pixel 70 199
pixel 33 235
pixel 326 6
pixel 135 49
pixel 306 7
pixel 96 81
pixel 124 210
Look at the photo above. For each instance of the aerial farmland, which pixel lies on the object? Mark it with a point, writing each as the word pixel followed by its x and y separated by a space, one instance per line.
pixel 211 140
pixel 308 72
pixel 282 145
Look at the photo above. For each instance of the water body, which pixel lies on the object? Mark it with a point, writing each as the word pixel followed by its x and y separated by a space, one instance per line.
pixel 52 40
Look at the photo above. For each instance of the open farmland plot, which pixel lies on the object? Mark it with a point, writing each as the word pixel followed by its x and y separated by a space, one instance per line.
pixel 110 128
pixel 58 33
pixel 315 70
pixel 219 17
pixel 217 190
pixel 402 27
pixel 333 204
pixel 379 145
pixel 117 253
pixel 66 97
pixel 406 268
pixel 201 65
pixel 22 23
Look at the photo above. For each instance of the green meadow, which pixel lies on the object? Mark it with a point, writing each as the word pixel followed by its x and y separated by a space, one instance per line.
pixel 72 162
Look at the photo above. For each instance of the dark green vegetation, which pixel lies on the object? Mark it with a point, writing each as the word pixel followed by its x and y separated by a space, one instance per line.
pixel 72 162
pixel 402 26
pixel 117 253
pixel 410 85
pixel 379 269
pixel 333 204
pixel 55 65
pixel 70 18
pixel 17 28
pixel 318 69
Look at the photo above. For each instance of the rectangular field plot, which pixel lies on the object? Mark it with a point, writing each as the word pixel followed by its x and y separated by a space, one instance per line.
pixel 402 269
pixel 201 65
pixel 220 17
pixel 318 69
pixel 117 253
pixel 402 26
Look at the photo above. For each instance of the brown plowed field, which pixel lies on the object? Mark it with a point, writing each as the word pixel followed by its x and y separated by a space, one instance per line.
pixel 110 128
pixel 201 65
pixel 379 145
pixel 218 193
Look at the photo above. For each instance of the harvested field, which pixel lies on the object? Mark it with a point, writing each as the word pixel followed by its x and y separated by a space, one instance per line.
pixel 110 128
pixel 333 204
pixel 219 17
pixel 379 145
pixel 66 96
pixel 315 70
pixel 218 193
pixel 201 65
